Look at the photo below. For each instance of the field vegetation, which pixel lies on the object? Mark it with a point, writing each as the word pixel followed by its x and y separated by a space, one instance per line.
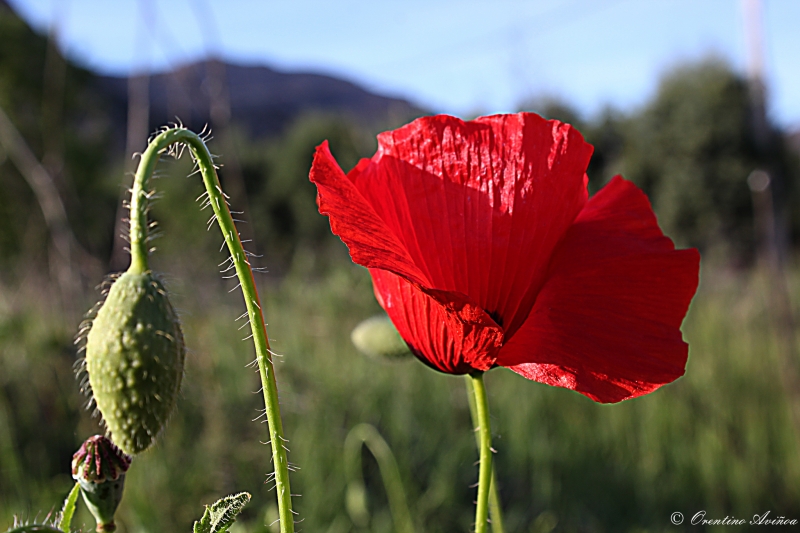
pixel 722 439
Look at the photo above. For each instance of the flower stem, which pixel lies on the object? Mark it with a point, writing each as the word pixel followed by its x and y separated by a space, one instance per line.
pixel 495 511
pixel 485 447
pixel 367 434
pixel 139 252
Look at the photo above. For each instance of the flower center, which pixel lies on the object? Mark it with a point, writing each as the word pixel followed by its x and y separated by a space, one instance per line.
pixel 495 315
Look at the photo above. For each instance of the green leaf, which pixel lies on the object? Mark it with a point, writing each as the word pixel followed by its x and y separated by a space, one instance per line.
pixel 221 515
pixel 68 511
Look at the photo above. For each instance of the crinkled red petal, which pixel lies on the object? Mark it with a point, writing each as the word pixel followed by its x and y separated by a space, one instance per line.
pixel 444 329
pixel 479 206
pixel 475 337
pixel 371 243
pixel 607 320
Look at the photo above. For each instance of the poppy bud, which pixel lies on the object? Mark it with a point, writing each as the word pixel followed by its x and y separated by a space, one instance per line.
pixel 134 359
pixel 99 468
pixel 377 337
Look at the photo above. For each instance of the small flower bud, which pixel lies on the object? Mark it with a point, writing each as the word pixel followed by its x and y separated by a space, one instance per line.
pixel 377 337
pixel 99 468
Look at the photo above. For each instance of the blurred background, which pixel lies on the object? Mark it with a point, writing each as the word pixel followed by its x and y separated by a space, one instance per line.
pixel 697 102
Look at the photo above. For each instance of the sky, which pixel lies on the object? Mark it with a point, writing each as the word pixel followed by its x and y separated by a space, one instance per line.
pixel 464 57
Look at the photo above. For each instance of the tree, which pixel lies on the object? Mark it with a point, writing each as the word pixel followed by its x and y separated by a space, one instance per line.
pixel 691 149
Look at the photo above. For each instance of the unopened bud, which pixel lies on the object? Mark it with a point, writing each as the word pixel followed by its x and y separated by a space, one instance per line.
pixel 134 358
pixel 377 337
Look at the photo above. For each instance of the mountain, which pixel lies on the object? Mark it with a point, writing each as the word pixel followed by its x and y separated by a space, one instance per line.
pixel 794 140
pixel 75 122
pixel 260 99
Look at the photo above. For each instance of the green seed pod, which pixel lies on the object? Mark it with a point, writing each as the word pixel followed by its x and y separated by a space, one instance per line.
pixel 377 337
pixel 134 359
pixel 99 468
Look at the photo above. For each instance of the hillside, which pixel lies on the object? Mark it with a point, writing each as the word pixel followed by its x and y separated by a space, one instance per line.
pixel 258 98
pixel 262 100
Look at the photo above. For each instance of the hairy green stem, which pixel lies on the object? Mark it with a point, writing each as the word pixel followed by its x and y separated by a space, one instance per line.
pixel 139 252
pixel 495 511
pixel 485 447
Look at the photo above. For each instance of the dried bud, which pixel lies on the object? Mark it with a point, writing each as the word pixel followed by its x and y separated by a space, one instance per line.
pixel 99 468
pixel 134 359
pixel 99 460
pixel 377 337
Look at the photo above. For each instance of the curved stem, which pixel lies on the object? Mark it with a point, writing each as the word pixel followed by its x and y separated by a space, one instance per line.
pixel 139 252
pixel 495 511
pixel 390 473
pixel 485 471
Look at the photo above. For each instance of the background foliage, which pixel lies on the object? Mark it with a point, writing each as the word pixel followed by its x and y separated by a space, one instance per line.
pixel 721 439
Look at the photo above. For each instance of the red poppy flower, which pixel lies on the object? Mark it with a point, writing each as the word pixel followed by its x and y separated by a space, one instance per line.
pixel 485 250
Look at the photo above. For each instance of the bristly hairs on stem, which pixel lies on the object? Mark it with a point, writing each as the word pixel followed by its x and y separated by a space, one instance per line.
pixel 495 510
pixel 49 524
pixel 173 140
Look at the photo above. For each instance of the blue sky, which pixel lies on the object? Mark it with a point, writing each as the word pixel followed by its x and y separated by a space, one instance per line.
pixel 456 56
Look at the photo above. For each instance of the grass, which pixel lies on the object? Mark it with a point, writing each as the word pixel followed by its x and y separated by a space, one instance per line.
pixel 720 439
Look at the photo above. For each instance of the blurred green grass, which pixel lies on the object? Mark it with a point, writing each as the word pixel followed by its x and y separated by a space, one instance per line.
pixel 720 439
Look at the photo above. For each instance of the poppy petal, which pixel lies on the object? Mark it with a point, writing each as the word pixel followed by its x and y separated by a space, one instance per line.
pixel 479 206
pixel 465 339
pixel 369 240
pixel 444 329
pixel 607 320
